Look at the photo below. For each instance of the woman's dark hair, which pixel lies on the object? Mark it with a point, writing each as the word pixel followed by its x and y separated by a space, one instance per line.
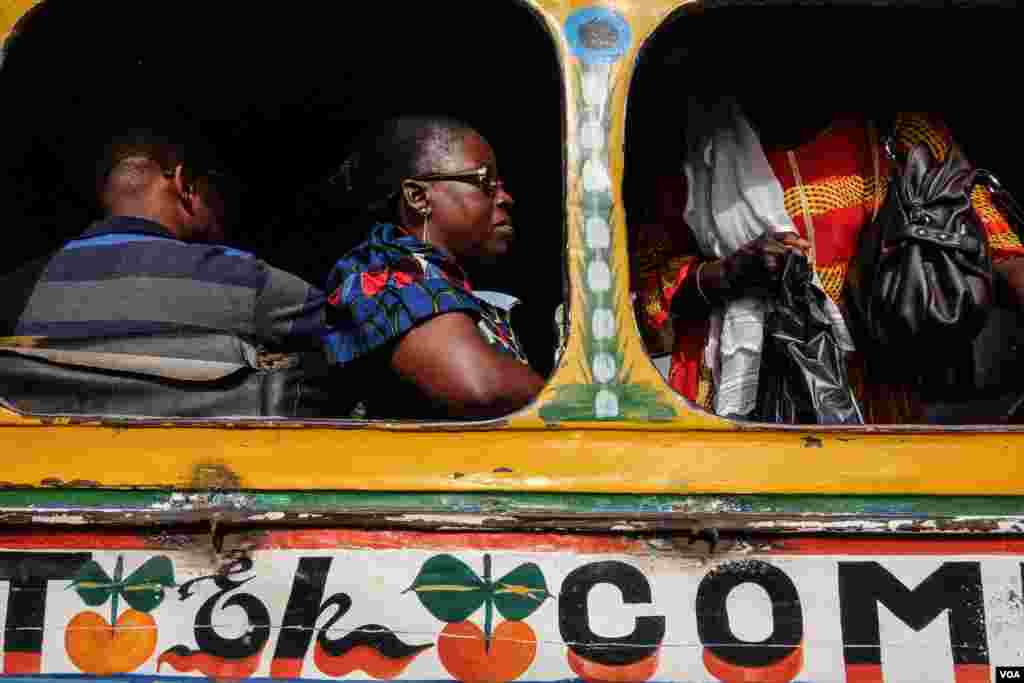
pixel 368 180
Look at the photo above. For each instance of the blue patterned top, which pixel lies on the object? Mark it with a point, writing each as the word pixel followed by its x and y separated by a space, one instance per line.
pixel 394 281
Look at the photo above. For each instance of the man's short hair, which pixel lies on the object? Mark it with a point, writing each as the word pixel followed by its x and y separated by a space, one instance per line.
pixel 166 148
pixel 138 143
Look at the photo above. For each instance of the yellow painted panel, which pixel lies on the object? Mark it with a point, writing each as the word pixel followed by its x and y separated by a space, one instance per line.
pixel 599 88
pixel 582 460
pixel 687 452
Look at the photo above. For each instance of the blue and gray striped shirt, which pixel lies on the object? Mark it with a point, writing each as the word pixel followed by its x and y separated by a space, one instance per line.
pixel 127 280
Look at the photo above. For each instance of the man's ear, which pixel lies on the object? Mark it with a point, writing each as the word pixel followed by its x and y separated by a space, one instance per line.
pixel 416 195
pixel 184 188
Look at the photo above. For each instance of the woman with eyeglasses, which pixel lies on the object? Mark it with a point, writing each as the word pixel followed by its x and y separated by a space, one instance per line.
pixel 413 339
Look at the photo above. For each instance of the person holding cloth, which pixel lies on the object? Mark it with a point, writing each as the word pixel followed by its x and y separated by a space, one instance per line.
pixel 758 182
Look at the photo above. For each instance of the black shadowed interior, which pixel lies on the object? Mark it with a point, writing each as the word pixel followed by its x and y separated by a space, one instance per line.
pixel 283 93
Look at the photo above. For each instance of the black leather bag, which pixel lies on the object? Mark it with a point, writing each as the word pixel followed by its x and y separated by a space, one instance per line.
pixel 803 378
pixel 922 277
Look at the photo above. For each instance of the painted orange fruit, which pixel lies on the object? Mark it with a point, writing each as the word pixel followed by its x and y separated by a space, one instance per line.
pixel 98 648
pixel 461 649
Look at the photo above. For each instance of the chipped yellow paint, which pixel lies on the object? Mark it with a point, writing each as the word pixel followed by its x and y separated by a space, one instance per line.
pixel 557 460
pixel 692 453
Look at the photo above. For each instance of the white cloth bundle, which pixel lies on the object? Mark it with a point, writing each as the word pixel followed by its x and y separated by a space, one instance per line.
pixel 733 198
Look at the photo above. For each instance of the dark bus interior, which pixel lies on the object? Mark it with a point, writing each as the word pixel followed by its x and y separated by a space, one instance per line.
pixel 959 64
pixel 283 94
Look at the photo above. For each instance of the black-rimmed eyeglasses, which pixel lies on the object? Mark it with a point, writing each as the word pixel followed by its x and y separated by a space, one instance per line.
pixel 484 178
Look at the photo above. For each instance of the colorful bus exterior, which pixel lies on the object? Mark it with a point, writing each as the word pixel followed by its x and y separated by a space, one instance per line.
pixel 610 532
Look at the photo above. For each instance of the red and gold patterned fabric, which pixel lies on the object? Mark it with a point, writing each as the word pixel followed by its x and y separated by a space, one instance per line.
pixel 837 170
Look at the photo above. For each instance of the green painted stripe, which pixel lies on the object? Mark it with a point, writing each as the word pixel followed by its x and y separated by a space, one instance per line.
pixel 154 501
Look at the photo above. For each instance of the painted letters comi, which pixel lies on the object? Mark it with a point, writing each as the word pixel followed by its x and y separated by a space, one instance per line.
pixel 317 624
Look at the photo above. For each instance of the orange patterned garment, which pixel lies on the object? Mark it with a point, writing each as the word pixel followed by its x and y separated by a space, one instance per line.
pixel 837 172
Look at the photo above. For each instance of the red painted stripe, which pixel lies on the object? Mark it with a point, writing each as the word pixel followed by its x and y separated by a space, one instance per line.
pixel 285 668
pixel 863 673
pixel 22 662
pixel 897 546
pixel 592 672
pixel 972 673
pixel 97 540
pixel 317 539
pixel 963 673
pixel 361 658
pixel 211 665
pixel 324 539
pixel 782 671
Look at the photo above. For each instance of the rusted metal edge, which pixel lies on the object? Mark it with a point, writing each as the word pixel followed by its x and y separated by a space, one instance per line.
pixel 69 505
pixel 420 520
pixel 812 433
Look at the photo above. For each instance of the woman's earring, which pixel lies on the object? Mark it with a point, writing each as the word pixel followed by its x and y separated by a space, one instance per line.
pixel 425 212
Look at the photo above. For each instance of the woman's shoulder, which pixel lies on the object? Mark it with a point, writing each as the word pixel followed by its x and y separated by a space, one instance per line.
pixel 387 285
pixel 392 270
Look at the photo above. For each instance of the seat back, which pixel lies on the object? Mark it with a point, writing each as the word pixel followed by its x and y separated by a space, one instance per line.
pixel 282 385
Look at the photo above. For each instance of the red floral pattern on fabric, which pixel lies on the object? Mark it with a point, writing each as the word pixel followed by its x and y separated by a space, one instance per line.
pixel 373 283
pixel 392 282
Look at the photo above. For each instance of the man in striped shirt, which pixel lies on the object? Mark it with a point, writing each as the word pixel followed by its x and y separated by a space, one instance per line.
pixel 148 290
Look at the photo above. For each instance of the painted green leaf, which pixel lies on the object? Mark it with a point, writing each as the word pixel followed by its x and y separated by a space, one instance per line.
pixel 519 593
pixel 93 584
pixel 144 587
pixel 448 588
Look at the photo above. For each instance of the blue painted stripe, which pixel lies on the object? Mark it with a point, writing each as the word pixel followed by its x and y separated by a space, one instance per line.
pixel 154 257
pixel 231 251
pixel 114 240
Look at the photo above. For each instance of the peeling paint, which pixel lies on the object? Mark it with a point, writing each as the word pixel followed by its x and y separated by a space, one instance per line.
pixel 960 525
pixel 1004 525
pixel 268 517
pixel 214 476
pixel 459 520
pixel 713 506
pixel 59 519
pixel 180 502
